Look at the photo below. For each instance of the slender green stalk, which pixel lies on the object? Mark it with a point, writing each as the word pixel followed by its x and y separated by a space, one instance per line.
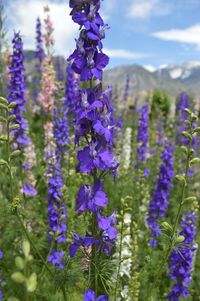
pixel 174 229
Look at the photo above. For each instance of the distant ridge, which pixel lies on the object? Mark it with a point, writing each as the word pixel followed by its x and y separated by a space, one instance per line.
pixel 143 79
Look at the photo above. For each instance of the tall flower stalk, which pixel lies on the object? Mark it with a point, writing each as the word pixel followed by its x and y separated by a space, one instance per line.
pixel 176 239
pixel 94 136
pixel 182 258
pixel 17 91
pixel 159 201
pixel 39 55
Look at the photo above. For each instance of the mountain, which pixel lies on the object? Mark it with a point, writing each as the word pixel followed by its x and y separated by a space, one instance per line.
pixel 143 79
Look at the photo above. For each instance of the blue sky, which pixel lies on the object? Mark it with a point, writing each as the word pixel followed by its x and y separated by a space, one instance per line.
pixel 146 32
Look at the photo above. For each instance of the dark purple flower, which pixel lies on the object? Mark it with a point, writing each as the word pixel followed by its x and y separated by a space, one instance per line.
pixel 89 159
pixel 1 295
pixel 56 207
pixel 17 90
pixel 29 190
pixel 57 259
pixel 80 241
pixel 159 201
pixel 181 259
pixel 71 91
pixel 39 53
pixel 91 198
pixel 143 134
pixel 90 295
pixel 1 254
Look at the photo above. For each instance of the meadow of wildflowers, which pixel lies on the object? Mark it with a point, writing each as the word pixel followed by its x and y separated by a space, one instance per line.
pixel 98 201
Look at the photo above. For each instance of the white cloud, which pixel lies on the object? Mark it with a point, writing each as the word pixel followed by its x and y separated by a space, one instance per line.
pixel 124 54
pixel 147 8
pixel 22 14
pixel 190 35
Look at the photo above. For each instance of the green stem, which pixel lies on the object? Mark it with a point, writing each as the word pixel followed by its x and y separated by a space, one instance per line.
pixel 170 247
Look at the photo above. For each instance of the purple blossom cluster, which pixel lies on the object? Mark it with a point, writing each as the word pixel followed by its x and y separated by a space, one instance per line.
pixel 143 134
pixel 56 207
pixel 94 126
pixel 71 89
pixel 17 90
pixel 159 201
pixel 90 295
pixel 127 87
pixel 39 54
pixel 181 258
pixel 183 103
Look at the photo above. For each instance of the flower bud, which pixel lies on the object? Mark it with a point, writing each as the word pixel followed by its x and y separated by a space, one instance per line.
pixel 26 248
pixel 12 105
pixel 31 283
pixel 18 277
pixel 180 239
pixel 19 262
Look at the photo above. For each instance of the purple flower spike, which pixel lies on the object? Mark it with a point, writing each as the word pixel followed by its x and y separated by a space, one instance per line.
pixel 159 202
pixel 143 134
pixel 94 127
pixel 181 260
pixel 17 91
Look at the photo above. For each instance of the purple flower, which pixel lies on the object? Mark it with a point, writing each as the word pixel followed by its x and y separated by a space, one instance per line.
pixel 89 159
pixel 39 54
pixel 29 190
pixel 61 132
pixel 80 241
pixel 57 259
pixel 56 208
pixel 181 259
pixel 91 198
pixel 127 87
pixel 71 91
pixel 1 295
pixel 90 295
pixel 17 90
pixel 159 201
pixel 143 134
